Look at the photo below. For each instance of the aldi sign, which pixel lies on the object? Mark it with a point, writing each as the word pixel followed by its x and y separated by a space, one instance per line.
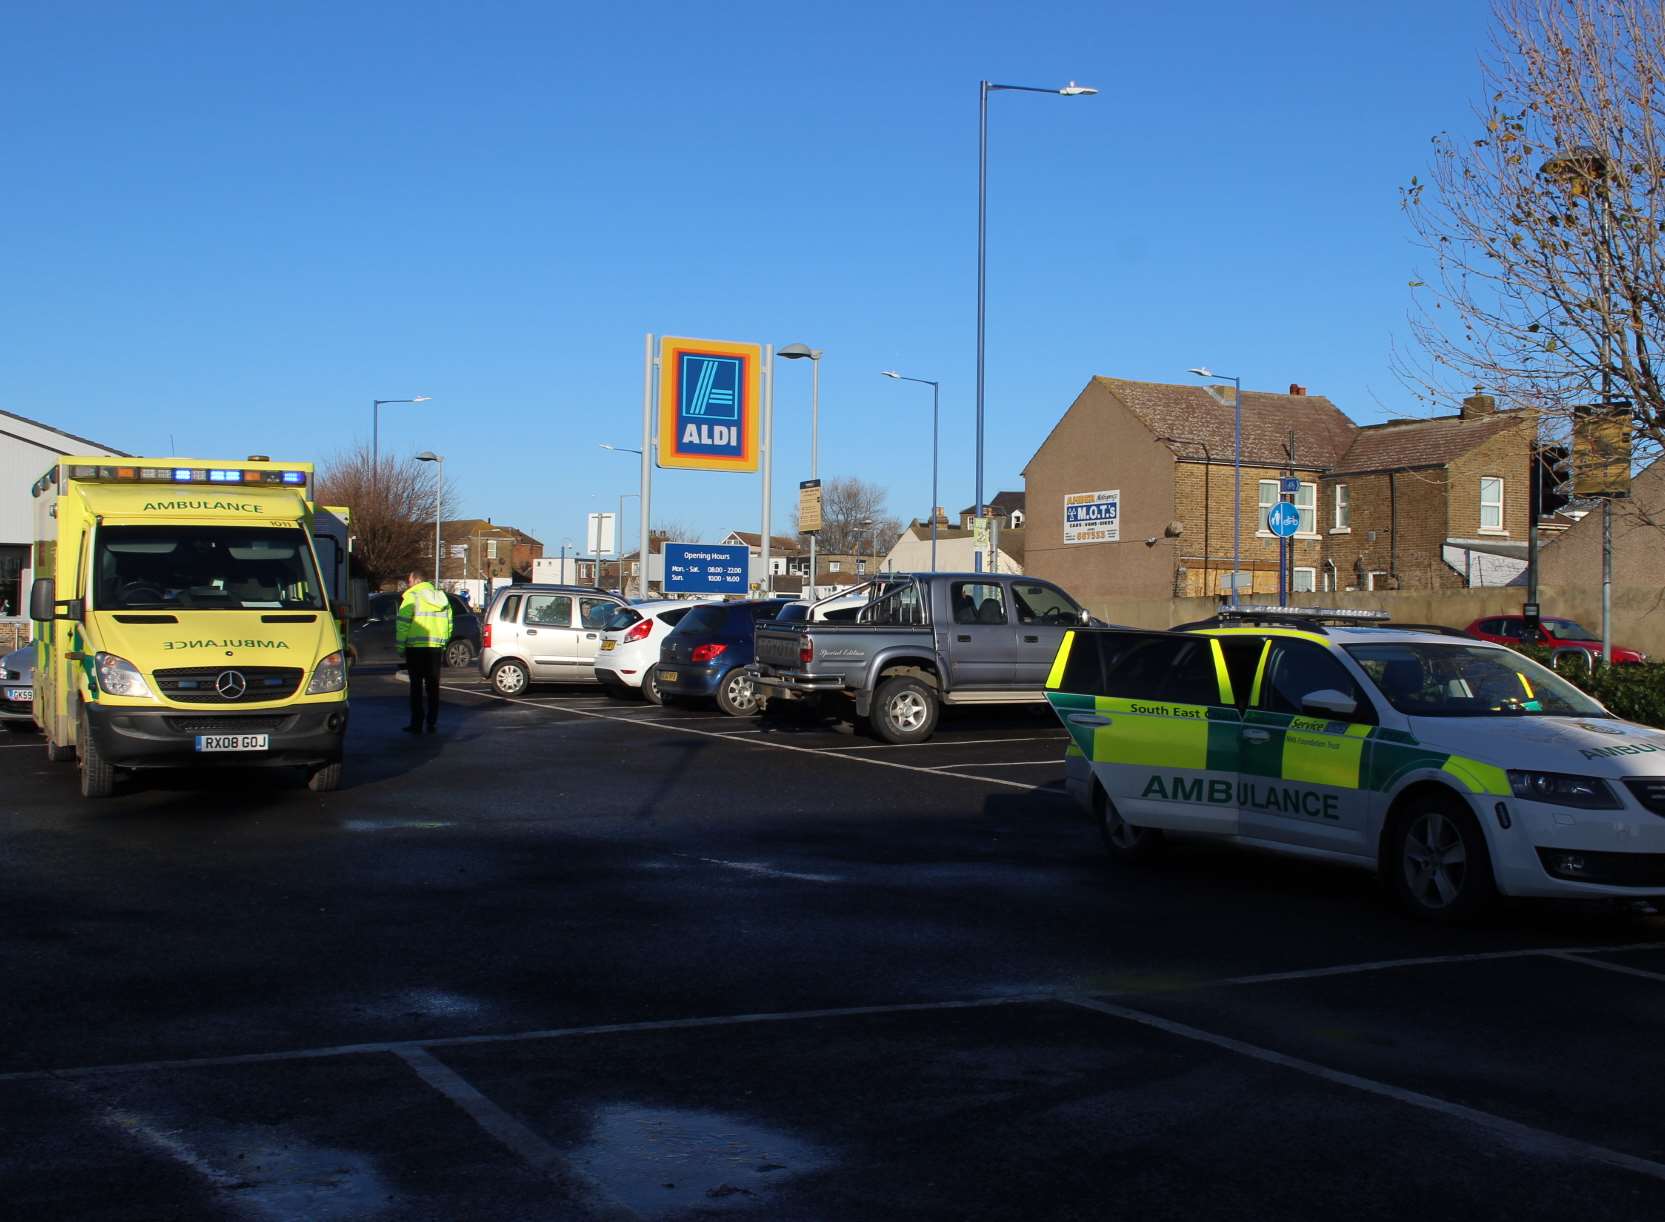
pixel 710 404
pixel 1093 517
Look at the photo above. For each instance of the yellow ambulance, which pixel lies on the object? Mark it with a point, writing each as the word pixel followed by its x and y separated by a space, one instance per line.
pixel 182 619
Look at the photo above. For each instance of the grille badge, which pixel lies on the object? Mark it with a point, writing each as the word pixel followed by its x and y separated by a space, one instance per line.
pixel 231 685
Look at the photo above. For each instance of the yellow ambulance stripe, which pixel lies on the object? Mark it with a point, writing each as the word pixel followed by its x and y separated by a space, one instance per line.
pixel 1323 759
pixel 1058 663
pixel 1160 736
pixel 1478 777
pixel 1260 673
pixel 1221 675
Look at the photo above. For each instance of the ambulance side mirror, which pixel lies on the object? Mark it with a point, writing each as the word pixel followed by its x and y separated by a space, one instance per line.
pixel 43 605
pixel 1327 702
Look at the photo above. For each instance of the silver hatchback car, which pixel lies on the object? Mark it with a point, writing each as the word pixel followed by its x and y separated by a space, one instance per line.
pixel 543 634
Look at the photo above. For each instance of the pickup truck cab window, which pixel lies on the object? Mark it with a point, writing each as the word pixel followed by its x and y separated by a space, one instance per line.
pixel 977 602
pixel 1038 603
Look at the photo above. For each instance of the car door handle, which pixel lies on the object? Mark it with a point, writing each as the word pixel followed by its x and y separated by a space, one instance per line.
pixel 1089 719
pixel 1032 640
pixel 964 636
pixel 589 636
pixel 531 632
pixel 1257 736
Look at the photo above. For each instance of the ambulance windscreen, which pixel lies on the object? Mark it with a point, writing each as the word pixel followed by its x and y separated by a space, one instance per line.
pixel 221 568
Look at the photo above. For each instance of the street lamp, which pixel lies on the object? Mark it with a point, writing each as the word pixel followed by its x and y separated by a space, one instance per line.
pixel 1071 90
pixel 936 388
pixel 376 428
pixel 1203 371
pixel 439 492
pixel 642 570
pixel 798 352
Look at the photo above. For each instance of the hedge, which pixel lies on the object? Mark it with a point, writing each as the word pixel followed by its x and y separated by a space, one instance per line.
pixel 1634 692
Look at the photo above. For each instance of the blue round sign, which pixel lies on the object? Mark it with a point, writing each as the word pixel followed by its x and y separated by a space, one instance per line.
pixel 1283 519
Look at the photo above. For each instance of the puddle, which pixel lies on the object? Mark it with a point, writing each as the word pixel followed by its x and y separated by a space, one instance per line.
pixel 662 1161
pixel 392 825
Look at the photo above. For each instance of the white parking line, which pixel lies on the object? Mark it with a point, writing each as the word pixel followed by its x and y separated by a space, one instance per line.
pixel 681 729
pixel 1622 968
pixel 951 742
pixel 21 746
pixel 757 867
pixel 1524 1137
pixel 1349 969
pixel 1057 763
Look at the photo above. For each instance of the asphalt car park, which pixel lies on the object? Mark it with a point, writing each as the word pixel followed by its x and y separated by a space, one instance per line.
pixel 583 957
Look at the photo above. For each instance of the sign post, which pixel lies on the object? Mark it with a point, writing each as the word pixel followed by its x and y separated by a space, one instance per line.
pixel 1283 519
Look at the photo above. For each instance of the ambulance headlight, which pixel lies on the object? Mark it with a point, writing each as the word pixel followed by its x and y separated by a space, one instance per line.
pixel 119 677
pixel 331 676
pixel 1563 789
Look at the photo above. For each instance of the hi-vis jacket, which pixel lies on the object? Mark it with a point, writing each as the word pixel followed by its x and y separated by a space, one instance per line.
pixel 424 618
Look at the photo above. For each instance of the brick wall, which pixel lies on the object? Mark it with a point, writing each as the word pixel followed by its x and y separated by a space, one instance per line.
pixel 1507 455
pixel 1198 486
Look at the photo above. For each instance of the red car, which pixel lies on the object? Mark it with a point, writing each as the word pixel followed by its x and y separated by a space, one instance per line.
pixel 1552 631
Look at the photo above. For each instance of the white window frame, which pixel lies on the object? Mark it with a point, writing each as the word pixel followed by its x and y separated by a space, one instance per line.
pixel 1370 578
pixel 1500 528
pixel 1341 511
pixel 1262 505
pixel 1308 512
pixel 834 566
pixel 1295 580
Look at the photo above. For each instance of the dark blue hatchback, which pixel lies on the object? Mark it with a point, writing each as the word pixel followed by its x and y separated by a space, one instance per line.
pixel 708 652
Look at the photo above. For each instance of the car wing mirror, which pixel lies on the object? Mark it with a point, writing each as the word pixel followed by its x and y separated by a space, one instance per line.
pixel 1327 702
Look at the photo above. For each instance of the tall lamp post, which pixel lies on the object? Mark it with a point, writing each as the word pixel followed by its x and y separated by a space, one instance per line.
pixel 376 428
pixel 439 492
pixel 936 388
pixel 1203 371
pixel 642 569
pixel 798 352
pixel 1071 90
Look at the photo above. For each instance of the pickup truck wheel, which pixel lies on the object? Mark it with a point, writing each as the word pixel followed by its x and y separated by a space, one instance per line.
pixel 1123 841
pixel 904 710
pixel 737 695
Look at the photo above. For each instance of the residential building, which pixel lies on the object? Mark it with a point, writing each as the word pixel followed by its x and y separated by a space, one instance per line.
pixel 781 548
pixel 1412 504
pixel 476 549
pixel 1007 506
pixel 956 549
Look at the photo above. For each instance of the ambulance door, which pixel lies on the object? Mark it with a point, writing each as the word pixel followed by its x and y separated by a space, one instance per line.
pixel 1161 737
pixel 1300 767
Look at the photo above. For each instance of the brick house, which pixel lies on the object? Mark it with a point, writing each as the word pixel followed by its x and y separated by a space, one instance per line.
pixel 477 549
pixel 1408 504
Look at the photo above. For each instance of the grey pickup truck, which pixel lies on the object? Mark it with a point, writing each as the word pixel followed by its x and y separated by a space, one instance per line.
pixel 923 641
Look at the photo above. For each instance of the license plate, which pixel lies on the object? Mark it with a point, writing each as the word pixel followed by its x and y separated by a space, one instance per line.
pixel 607 646
pixel 233 742
pixel 20 693
pixel 668 676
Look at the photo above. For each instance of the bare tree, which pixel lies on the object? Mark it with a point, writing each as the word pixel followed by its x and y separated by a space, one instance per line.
pixel 854 517
pixel 1544 223
pixel 392 505
pixel 675 531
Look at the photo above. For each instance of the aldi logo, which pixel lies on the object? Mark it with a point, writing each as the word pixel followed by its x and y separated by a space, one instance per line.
pixel 709 404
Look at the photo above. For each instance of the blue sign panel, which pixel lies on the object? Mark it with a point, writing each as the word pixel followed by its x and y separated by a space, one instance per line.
pixel 1283 519
pixel 707 568
pixel 1289 484
pixel 709 394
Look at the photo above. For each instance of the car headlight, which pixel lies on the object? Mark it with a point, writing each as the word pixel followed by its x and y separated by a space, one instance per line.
pixel 119 677
pixel 331 676
pixel 1563 789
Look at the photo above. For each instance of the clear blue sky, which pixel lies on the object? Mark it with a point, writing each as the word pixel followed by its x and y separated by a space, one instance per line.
pixel 236 224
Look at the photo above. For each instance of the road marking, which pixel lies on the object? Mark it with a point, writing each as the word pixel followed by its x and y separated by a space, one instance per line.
pixel 21 746
pixel 680 729
pixel 1349 969
pixel 1526 1138
pixel 756 867
pixel 1622 968
pixel 1002 764
pixel 531 1148
pixel 949 742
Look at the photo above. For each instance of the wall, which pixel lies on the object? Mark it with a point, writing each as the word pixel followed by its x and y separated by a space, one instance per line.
pixel 1198 485
pixel 1574 557
pixel 1507 455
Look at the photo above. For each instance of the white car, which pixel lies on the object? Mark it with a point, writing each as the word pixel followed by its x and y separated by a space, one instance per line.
pixel 629 649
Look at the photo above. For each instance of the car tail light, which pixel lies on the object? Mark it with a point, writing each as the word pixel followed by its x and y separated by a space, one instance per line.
pixel 806 652
pixel 638 632
pixel 706 653
pixel 485 636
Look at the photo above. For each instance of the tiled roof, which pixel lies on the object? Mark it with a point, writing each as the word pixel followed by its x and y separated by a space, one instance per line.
pixel 1421 443
pixel 1005 502
pixel 754 538
pixel 1189 412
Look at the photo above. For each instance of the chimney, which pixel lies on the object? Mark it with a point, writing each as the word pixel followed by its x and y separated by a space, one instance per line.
pixel 1297 389
pixel 1478 405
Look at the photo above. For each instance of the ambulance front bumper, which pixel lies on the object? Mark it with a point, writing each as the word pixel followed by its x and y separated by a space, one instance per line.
pixel 167 738
pixel 1552 852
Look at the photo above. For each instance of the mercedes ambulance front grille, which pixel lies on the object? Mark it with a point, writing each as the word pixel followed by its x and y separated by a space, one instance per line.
pixel 1649 791
pixel 242 724
pixel 228 684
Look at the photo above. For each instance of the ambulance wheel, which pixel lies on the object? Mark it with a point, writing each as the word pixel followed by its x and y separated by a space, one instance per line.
pixel 508 678
pixel 1435 860
pixel 904 710
pixel 1123 841
pixel 98 775
pixel 326 778
pixel 737 694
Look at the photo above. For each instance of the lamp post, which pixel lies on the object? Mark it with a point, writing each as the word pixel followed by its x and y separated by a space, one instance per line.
pixel 642 570
pixel 1071 90
pixel 376 428
pixel 798 352
pixel 439 492
pixel 1203 371
pixel 936 388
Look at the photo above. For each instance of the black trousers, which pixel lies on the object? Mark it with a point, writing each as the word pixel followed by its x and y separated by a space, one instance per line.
pixel 423 665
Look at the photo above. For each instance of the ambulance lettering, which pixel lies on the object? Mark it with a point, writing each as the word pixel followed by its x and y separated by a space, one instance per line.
pixel 231 506
pixel 1601 753
pixel 227 644
pixel 1285 798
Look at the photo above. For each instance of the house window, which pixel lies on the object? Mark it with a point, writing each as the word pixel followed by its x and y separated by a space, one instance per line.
pixel 861 567
pixel 12 561
pixel 1306 500
pixel 1268 498
pixel 1304 579
pixel 1017 519
pixel 1343 508
pixel 1491 503
pixel 491 549
pixel 834 566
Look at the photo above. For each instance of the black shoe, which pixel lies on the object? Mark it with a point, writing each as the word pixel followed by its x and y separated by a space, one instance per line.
pixel 411 729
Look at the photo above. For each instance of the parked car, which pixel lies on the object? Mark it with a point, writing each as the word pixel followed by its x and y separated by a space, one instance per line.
pixel 542 633
pixel 926 639
pixel 630 644
pixel 376 638
pixel 17 689
pixel 708 654
pixel 1554 633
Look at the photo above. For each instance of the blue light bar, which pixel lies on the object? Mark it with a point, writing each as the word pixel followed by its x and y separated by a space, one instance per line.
pixel 294 477
pixel 182 474
pixel 225 477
